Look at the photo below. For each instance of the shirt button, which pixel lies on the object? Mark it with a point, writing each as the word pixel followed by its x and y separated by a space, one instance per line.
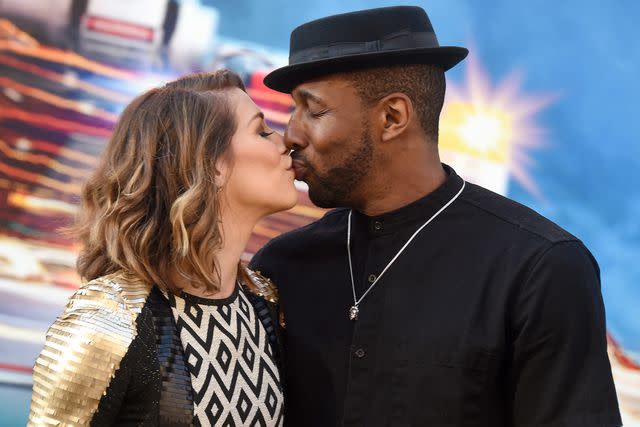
pixel 372 278
pixel 377 226
pixel 360 353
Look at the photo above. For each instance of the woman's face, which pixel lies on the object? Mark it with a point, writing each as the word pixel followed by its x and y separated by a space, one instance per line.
pixel 260 175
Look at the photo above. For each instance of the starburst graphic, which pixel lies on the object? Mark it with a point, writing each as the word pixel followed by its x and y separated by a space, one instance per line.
pixel 488 131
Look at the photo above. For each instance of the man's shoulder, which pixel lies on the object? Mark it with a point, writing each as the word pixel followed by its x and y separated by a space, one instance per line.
pixel 513 217
pixel 321 230
pixel 302 245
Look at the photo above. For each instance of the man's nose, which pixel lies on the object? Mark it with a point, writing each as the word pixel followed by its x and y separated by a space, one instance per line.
pixel 294 136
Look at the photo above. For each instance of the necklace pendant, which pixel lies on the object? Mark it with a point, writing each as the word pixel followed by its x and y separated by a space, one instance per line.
pixel 353 313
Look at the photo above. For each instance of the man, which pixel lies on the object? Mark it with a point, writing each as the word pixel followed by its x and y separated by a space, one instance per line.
pixel 424 300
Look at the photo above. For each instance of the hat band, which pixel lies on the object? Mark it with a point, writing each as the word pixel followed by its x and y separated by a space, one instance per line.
pixel 400 40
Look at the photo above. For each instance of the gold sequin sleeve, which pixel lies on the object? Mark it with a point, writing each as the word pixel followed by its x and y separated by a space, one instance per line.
pixel 265 288
pixel 261 286
pixel 83 350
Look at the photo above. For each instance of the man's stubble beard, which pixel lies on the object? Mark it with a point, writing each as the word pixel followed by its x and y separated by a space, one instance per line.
pixel 336 187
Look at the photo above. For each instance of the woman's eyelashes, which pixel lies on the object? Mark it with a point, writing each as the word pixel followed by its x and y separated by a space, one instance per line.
pixel 266 134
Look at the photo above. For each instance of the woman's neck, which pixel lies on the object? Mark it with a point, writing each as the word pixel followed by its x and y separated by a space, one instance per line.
pixel 236 230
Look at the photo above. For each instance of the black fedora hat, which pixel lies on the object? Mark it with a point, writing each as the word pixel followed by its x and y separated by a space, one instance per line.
pixel 362 39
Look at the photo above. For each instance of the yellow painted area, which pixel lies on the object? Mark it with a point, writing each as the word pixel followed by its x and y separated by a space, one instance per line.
pixel 40 205
pixel 480 132
pixel 308 211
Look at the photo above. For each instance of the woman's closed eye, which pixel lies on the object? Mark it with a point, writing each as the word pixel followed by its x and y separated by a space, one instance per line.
pixel 266 134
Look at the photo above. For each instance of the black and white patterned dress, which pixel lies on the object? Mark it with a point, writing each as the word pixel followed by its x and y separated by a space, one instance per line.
pixel 234 375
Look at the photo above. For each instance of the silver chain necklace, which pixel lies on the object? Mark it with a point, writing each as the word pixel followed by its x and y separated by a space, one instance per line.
pixel 354 310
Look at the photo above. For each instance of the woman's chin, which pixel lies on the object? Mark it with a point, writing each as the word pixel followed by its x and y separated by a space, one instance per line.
pixel 278 204
pixel 288 200
pixel 290 203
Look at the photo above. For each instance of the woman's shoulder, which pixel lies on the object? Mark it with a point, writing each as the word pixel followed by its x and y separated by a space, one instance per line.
pixel 87 341
pixel 103 308
pixel 261 286
pixel 115 293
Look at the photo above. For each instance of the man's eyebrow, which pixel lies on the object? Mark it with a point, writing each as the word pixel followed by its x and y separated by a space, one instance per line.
pixel 258 115
pixel 308 96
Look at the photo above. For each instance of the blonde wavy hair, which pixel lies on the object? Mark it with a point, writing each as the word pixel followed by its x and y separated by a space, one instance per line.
pixel 151 207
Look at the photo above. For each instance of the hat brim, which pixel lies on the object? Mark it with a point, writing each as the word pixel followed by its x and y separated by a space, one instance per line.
pixel 286 79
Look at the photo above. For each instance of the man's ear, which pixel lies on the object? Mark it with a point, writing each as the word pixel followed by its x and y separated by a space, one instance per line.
pixel 394 114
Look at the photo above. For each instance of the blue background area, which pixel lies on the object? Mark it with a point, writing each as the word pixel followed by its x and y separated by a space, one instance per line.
pixel 587 53
pixel 14 402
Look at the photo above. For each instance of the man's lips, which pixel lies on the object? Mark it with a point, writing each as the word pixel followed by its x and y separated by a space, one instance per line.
pixel 299 168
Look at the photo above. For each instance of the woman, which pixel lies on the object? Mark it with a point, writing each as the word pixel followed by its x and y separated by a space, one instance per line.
pixel 170 329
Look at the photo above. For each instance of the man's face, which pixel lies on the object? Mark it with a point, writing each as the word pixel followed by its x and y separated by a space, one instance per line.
pixel 330 139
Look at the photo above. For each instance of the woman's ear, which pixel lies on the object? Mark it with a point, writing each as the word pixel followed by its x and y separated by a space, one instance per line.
pixel 222 171
pixel 396 111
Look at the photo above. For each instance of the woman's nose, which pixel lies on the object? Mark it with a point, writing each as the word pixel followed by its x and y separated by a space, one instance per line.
pixel 279 140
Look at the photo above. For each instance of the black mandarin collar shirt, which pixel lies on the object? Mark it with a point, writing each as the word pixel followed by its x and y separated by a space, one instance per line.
pixel 492 316
pixel 377 239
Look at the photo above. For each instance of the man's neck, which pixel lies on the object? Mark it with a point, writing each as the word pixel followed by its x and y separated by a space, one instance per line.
pixel 402 183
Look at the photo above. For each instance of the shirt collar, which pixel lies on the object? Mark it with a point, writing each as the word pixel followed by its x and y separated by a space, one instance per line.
pixel 415 212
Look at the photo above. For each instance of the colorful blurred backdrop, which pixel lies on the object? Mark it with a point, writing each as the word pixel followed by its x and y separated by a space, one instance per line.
pixel 543 111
